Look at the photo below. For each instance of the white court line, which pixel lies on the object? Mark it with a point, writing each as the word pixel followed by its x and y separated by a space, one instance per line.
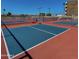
pixel 6 46
pixel 43 31
pixel 55 26
pixel 40 43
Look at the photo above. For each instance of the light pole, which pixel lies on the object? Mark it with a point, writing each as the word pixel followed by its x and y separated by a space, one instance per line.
pixel 39 9
pixel 49 9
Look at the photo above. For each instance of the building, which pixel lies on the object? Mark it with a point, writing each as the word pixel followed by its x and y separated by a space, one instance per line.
pixel 71 8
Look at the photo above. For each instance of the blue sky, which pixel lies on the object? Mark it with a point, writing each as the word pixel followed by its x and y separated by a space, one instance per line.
pixel 31 6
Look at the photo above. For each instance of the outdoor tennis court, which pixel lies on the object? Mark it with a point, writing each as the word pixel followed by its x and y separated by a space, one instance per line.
pixel 67 23
pixel 29 37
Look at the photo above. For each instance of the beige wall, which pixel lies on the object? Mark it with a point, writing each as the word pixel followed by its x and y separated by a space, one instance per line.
pixel 72 8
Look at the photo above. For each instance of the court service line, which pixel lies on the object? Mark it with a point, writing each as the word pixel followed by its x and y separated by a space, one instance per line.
pixel 43 30
pixel 7 50
pixel 41 43
pixel 47 40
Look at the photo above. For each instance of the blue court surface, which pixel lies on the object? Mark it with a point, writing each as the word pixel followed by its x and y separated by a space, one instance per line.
pixel 67 23
pixel 29 36
pixel 15 22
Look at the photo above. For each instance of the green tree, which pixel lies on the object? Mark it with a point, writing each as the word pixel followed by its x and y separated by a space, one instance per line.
pixel 9 14
pixel 42 14
pixel 49 14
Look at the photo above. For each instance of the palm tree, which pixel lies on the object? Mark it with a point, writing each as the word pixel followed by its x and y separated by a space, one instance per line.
pixel 4 11
pixel 9 14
